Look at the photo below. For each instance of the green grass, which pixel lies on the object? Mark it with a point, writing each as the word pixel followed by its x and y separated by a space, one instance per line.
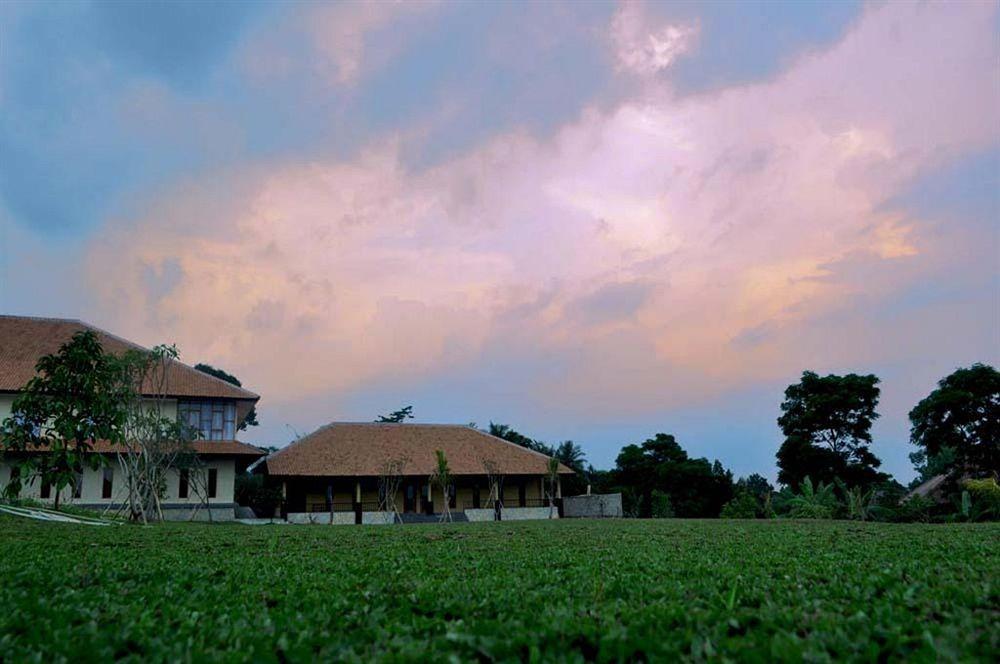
pixel 570 590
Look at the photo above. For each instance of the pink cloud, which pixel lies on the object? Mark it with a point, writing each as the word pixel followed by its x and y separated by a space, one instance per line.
pixel 723 223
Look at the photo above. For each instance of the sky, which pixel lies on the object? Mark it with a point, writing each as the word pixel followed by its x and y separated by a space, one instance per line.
pixel 591 221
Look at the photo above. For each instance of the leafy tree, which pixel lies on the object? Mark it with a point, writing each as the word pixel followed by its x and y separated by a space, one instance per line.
pixel 744 506
pixel 71 403
pixel 251 418
pixel 260 493
pixel 397 416
pixel 660 505
pixel 507 433
pixel 957 426
pixel 696 487
pixel 827 423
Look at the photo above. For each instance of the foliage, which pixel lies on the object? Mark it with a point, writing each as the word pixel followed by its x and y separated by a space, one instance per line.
pixel 258 492
pixel 961 416
pixel 661 508
pixel 397 416
pixel 984 495
pixel 153 443
pixel 251 418
pixel 859 503
pixel 660 591
pixel 696 487
pixel 817 502
pixel 71 403
pixel 826 421
pixel 743 506
pixel 567 452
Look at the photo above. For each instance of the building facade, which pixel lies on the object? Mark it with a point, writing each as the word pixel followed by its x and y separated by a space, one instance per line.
pixel 212 407
pixel 340 473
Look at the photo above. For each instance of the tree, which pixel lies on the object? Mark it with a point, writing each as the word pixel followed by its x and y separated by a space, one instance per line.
pixel 817 502
pixel 827 426
pixel 957 426
pixel 71 403
pixel 442 477
pixel 397 416
pixel 389 480
pixel 696 487
pixel 552 477
pixel 743 506
pixel 251 418
pixel 153 443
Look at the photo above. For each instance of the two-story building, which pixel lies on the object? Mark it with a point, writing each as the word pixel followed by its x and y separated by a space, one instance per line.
pixel 212 407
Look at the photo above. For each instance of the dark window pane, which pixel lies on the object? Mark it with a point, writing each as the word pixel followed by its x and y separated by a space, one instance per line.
pixel 109 479
pixel 182 487
pixel 213 482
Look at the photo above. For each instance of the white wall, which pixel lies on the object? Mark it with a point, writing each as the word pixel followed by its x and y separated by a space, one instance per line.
pixel 93 485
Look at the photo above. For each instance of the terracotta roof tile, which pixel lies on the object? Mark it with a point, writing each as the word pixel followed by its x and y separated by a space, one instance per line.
pixel 23 340
pixel 359 449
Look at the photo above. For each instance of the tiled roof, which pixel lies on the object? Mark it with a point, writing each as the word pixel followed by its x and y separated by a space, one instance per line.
pixel 359 449
pixel 23 340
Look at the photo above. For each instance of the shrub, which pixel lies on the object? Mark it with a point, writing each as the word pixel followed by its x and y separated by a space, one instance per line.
pixel 257 493
pixel 743 506
pixel 813 503
pixel 661 506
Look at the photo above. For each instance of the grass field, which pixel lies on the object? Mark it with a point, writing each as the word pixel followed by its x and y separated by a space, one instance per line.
pixel 570 590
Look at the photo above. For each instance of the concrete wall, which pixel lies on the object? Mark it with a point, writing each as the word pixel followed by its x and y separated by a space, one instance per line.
pixel 527 513
pixel 595 506
pixel 512 514
pixel 321 518
pixel 7 401
pixel 341 518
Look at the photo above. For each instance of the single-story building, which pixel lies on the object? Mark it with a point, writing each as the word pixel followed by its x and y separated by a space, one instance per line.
pixel 213 407
pixel 344 468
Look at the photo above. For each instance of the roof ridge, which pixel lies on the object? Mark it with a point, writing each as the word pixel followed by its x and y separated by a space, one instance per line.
pixel 129 342
pixel 173 359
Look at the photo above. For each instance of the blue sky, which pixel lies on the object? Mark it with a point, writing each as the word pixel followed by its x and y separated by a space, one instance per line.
pixel 593 221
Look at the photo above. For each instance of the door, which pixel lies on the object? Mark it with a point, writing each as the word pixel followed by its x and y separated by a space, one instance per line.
pixel 410 499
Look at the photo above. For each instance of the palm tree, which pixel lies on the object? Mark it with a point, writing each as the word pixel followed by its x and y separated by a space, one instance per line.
pixel 813 503
pixel 571 454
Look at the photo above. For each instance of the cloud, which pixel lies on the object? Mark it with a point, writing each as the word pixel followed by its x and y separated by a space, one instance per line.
pixel 644 49
pixel 655 253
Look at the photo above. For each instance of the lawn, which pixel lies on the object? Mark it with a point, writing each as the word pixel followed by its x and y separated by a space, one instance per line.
pixel 569 590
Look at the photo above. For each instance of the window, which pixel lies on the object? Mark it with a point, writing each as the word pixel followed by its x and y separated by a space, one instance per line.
pixel 213 481
pixel 109 478
pixel 78 485
pixel 211 420
pixel 46 490
pixel 475 497
pixel 182 486
pixel 15 477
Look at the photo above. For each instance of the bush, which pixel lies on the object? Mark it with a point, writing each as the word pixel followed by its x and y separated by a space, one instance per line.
pixel 661 506
pixel 743 506
pixel 813 503
pixel 984 499
pixel 258 493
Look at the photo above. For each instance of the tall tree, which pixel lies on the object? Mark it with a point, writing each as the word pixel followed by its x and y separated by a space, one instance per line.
pixel 827 423
pixel 958 424
pixel 695 487
pixel 251 418
pixel 72 402
pixel 397 416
